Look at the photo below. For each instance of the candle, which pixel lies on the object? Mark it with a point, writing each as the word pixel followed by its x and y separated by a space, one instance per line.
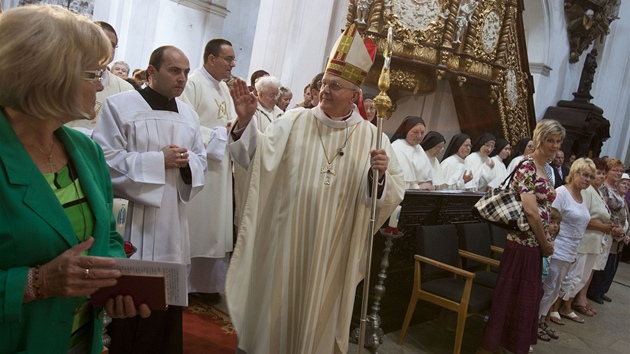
pixel 393 219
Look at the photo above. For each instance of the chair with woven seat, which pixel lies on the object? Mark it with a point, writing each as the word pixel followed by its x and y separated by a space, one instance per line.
pixel 475 242
pixel 435 281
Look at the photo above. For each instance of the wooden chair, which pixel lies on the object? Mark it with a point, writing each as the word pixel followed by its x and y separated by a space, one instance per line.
pixel 475 245
pixel 436 266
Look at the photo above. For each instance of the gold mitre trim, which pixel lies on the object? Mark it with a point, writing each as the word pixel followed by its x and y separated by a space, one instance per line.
pixel 349 59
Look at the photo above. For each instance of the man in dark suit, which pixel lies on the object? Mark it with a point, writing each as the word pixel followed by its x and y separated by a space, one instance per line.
pixel 560 172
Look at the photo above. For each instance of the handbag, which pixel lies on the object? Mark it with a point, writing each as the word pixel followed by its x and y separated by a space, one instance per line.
pixel 503 207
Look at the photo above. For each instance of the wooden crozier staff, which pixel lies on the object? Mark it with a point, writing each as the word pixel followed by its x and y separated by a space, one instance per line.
pixel 383 104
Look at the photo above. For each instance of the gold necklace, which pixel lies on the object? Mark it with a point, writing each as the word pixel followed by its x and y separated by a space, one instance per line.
pixel 328 170
pixel 50 162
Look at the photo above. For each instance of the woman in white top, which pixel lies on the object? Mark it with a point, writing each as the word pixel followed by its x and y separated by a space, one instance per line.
pixel 523 148
pixel 433 144
pixel 502 150
pixel 411 157
pixel 479 162
pixel 575 284
pixel 453 174
pixel 575 219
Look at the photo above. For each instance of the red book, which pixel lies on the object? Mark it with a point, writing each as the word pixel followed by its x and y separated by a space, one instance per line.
pixel 143 289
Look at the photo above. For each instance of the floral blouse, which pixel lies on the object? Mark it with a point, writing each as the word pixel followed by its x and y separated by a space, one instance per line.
pixel 525 180
pixel 614 201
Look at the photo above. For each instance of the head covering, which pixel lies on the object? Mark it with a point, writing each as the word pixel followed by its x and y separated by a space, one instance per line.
pixel 625 176
pixel 482 140
pixel 519 149
pixel 499 145
pixel 361 106
pixel 368 96
pixel 349 58
pixel 406 126
pixel 456 142
pixel 431 139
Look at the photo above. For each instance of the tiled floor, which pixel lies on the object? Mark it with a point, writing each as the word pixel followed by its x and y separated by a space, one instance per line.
pixel 607 332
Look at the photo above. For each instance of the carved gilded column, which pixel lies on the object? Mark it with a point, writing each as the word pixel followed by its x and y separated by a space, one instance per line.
pixel 450 23
pixel 508 23
pixel 472 32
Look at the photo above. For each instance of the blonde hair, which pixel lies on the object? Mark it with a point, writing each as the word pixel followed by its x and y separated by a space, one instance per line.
pixel 579 165
pixel 545 129
pixel 44 51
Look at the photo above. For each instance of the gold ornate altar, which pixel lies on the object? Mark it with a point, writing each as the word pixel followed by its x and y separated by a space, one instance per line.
pixel 477 46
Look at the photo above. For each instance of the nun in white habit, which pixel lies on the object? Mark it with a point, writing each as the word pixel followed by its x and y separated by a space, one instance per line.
pixel 480 164
pixel 411 157
pixel 453 174
pixel 433 144
pixel 502 150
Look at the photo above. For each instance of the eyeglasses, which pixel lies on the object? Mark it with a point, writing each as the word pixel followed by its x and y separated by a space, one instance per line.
pixel 587 176
pixel 617 170
pixel 93 75
pixel 229 60
pixel 332 86
pixel 114 45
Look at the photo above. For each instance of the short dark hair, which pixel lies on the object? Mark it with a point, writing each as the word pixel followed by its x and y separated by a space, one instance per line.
pixel 214 47
pixel 107 27
pixel 257 75
pixel 157 57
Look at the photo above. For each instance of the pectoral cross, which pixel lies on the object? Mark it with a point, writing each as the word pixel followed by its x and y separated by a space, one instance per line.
pixel 328 171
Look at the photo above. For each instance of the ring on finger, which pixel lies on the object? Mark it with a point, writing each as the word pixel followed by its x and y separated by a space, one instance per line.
pixel 86 273
pixel 181 155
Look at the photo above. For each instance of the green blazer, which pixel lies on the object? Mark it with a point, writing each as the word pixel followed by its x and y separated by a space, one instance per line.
pixel 34 229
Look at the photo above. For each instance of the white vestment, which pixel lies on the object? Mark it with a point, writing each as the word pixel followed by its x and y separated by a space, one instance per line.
pixel 112 85
pixel 482 173
pixel 301 245
pixel 210 216
pixel 132 136
pixel 414 162
pixel 500 171
pixel 264 117
pixel 451 173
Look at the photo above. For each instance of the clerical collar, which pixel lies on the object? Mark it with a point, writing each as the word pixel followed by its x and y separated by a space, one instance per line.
pixel 213 82
pixel 354 118
pixel 157 101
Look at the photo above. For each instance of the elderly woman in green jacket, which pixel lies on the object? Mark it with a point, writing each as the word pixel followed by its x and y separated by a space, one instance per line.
pixel 57 231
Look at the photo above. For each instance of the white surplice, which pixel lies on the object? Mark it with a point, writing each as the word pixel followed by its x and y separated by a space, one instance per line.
pixel 210 216
pixel 414 162
pixel 515 161
pixel 482 173
pixel 451 173
pixel 132 136
pixel 301 245
pixel 435 173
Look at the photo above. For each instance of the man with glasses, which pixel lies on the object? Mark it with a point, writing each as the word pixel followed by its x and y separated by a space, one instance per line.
pixel 210 216
pixel 302 238
pixel 153 147
pixel 268 89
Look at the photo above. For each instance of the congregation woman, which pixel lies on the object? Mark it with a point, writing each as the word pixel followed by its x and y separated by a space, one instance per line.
pixel 411 157
pixel 602 279
pixel 575 218
pixel 524 147
pixel 57 231
pixel 513 320
pixel 433 144
pixel 575 284
pixel 502 150
pixel 480 163
pixel 453 174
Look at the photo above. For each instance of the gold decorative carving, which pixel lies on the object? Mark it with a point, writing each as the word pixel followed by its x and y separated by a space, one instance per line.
pixel 588 20
pixel 439 74
pixel 461 80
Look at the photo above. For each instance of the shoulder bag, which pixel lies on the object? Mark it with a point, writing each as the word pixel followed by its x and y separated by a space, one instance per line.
pixel 503 207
